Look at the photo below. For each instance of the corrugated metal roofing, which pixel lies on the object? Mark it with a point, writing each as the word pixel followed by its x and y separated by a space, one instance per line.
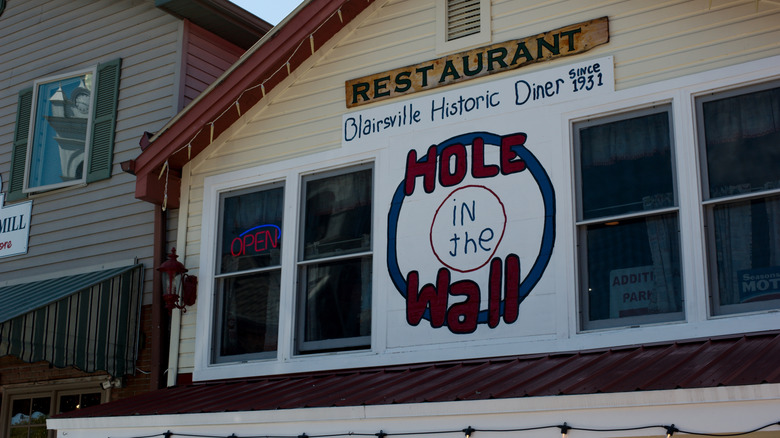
pixel 727 361
pixel 18 299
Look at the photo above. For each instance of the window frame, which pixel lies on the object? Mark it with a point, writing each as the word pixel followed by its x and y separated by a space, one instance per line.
pixel 582 224
pixel 218 278
pixel 53 390
pixel 98 160
pixel 87 136
pixel 708 203
pixel 301 266
pixel 287 357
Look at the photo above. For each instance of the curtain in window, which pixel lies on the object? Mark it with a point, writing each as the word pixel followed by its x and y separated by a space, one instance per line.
pixel 662 236
pixel 748 116
pixel 625 140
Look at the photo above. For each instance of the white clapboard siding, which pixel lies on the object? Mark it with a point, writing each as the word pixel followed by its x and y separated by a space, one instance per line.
pixel 650 41
pixel 102 222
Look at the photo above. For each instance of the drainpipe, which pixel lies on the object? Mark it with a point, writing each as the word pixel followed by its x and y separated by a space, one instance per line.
pixel 159 314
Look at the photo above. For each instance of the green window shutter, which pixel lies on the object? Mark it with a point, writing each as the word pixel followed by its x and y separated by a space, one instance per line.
pixel 19 153
pixel 104 121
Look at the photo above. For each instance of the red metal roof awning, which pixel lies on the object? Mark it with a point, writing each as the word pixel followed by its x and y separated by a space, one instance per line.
pixel 749 359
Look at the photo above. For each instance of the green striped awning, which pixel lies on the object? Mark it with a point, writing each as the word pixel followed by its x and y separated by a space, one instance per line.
pixel 89 320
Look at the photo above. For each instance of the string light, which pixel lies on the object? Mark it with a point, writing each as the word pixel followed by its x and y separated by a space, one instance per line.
pixel 564 428
pixel 286 65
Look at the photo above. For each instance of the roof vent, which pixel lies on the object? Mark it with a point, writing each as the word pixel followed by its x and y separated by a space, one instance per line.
pixel 463 18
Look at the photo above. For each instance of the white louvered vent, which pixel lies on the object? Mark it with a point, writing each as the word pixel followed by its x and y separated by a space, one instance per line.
pixel 463 18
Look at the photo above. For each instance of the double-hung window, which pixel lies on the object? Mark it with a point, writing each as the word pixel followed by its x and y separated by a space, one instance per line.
pixel 64 131
pixel 739 138
pixel 334 263
pixel 249 273
pixel 326 300
pixel 627 220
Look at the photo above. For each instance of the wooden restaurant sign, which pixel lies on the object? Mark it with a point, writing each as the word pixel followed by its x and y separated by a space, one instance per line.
pixel 475 63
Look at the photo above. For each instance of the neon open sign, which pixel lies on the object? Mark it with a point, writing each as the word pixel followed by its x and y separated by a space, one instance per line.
pixel 256 240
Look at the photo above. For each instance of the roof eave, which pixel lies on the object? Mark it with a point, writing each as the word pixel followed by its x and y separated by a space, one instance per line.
pixel 241 87
pixel 221 17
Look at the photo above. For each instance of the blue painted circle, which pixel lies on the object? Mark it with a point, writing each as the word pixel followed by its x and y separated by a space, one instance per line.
pixel 548 235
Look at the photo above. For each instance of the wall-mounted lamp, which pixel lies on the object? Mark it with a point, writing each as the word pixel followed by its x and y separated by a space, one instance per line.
pixel 179 289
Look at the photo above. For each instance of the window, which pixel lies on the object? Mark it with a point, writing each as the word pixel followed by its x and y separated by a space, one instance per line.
pixel 249 273
pixel 335 262
pixel 739 136
pixel 627 220
pixel 327 306
pixel 61 109
pixel 65 131
pixel 25 408
pixel 461 24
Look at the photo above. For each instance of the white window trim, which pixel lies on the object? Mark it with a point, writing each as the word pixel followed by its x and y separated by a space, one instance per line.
pixel 214 339
pixel 31 138
pixel 697 308
pixel 301 346
pixel 286 359
pixel 482 37
pixel 680 91
pixel 707 202
pixel 581 224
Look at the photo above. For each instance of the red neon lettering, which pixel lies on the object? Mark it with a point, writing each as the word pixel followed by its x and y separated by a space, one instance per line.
pixel 257 242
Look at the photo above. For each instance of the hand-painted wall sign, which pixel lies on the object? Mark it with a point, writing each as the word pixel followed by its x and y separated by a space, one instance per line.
pixel 482 183
pixel 586 79
pixel 496 58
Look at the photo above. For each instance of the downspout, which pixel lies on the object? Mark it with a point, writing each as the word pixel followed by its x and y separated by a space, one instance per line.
pixel 159 314
pixel 181 243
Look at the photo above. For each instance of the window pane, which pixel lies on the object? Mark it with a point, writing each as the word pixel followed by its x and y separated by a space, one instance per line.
pixel 20 411
pixel 19 432
pixel 338 300
pixel 69 403
pixel 742 136
pixel 250 313
pixel 62 110
pixel 747 252
pixel 38 432
pixel 338 215
pixel 91 399
pixel 40 410
pixel 633 269
pixel 626 166
pixel 252 230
